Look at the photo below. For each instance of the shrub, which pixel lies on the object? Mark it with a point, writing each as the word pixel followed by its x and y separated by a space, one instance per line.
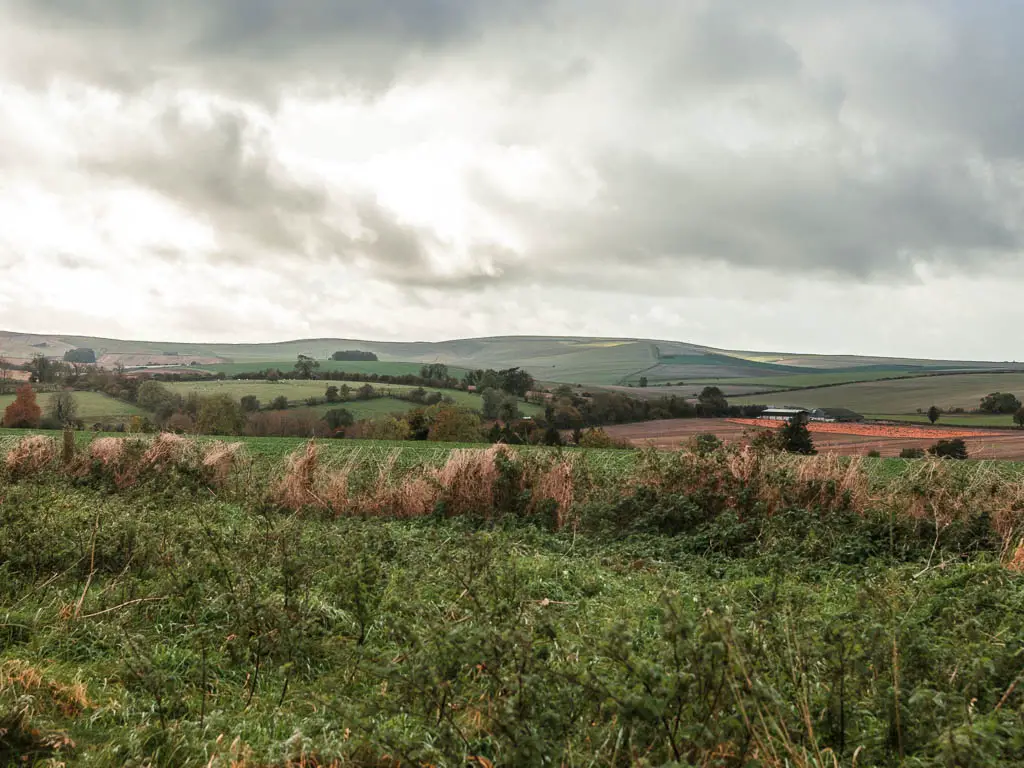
pixel 24 412
pixel 873 454
pixel 912 453
pixel 705 443
pixel 250 404
pixel 949 449
pixel 279 403
pixel 596 437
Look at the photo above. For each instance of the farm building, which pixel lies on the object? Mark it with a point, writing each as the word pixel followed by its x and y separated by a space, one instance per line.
pixel 788 414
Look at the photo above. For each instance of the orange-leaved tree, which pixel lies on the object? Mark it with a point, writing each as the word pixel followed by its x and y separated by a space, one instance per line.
pixel 24 411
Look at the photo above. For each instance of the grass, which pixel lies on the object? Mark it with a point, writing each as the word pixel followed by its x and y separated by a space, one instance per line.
pixel 903 395
pixel 710 611
pixel 92 406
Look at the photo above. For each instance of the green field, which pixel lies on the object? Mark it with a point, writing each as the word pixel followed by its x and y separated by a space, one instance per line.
pixel 952 419
pixel 296 391
pixel 900 396
pixel 92 406
pixel 175 622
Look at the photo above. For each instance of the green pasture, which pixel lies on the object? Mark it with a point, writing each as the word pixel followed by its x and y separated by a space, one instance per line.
pixel 92 406
pixel 296 391
pixel 950 419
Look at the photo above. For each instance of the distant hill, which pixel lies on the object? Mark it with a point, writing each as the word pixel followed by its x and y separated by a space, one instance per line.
pixel 568 359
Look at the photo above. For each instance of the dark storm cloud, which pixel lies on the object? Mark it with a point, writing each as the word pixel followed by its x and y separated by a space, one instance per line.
pixel 256 45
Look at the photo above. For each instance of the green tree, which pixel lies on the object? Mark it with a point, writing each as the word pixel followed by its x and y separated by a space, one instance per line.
pixel 332 394
pixel 158 399
pixel 711 402
pixel 450 424
pixel 220 415
pixel 795 437
pixel 515 381
pixel 508 410
pixel 492 400
pixel 643 381
pixel 250 404
pixel 81 355
pixel 305 366
pixel 63 408
pixel 44 370
pixel 279 403
pixel 339 418
pixel 1000 402
pixel 1018 417
pixel 437 371
pixel 933 414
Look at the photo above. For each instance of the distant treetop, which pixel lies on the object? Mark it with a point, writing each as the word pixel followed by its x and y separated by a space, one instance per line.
pixel 354 354
pixel 80 355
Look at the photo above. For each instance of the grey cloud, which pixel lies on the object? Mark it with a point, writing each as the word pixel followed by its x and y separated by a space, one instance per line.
pixel 223 171
pixel 254 46
pixel 787 212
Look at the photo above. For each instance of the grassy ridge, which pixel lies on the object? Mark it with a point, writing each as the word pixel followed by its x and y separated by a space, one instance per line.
pixel 389 368
pixel 904 395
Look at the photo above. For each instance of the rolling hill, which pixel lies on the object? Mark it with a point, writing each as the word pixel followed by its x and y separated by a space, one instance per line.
pixel 559 359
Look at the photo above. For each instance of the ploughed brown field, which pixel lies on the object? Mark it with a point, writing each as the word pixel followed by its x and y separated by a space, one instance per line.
pixel 845 439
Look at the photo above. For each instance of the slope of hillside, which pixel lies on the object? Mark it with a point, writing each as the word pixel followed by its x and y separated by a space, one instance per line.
pixel 564 359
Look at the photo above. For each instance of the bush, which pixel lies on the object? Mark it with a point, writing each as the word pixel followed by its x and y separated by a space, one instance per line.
pixel 949 449
pixel 912 453
pixel 250 404
pixel 279 403
pixel 874 454
pixel 705 443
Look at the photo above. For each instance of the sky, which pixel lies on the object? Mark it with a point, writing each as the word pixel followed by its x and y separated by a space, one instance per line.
pixel 786 175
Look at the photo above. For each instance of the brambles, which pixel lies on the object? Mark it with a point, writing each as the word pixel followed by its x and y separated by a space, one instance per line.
pixel 719 607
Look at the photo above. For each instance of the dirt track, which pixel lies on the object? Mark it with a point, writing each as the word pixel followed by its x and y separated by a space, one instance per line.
pixel 670 433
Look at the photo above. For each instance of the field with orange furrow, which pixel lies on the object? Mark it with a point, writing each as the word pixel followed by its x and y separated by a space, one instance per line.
pixel 873 430
pixel 843 439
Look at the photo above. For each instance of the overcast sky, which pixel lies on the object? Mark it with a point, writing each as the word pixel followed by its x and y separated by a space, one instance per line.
pixel 787 175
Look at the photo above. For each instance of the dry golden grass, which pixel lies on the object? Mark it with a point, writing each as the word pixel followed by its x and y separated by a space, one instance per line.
pixel 296 488
pixel 106 450
pixel 31 455
pixel 468 478
pixel 70 699
pixel 166 450
pixel 558 483
pixel 219 460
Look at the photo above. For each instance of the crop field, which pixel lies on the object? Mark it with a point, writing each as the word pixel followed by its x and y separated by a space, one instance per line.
pixel 852 440
pixel 92 406
pixel 903 395
pixel 164 604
